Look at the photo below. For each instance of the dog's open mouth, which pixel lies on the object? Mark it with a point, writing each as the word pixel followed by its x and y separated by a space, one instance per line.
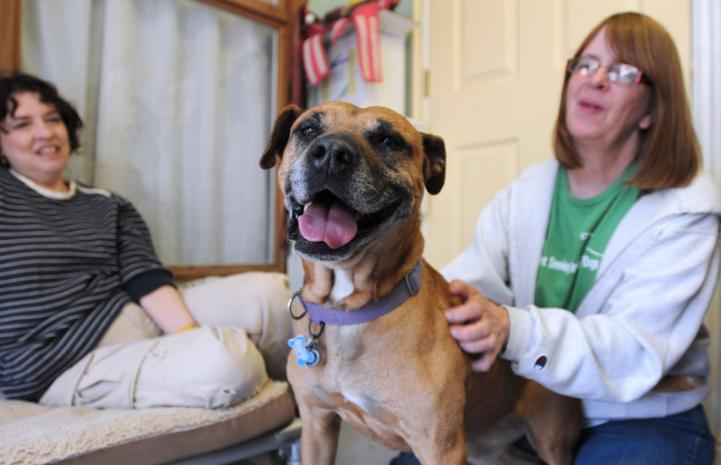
pixel 327 219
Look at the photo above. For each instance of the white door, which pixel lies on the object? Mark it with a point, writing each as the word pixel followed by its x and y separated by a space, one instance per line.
pixel 496 72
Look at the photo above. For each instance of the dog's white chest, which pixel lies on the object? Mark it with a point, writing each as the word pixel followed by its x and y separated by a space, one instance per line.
pixel 356 399
pixel 342 285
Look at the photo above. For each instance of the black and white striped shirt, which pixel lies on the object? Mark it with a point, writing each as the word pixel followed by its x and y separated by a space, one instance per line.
pixel 68 264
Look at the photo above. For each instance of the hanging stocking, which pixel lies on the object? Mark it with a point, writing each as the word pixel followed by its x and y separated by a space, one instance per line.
pixel 315 60
pixel 367 26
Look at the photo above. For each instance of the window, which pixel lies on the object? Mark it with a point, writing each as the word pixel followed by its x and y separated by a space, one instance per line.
pixel 178 97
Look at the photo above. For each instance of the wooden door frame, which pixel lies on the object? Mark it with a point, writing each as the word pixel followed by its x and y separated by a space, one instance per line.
pixel 286 17
pixel 9 36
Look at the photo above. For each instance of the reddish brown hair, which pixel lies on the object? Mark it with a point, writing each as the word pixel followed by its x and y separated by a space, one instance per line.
pixel 669 155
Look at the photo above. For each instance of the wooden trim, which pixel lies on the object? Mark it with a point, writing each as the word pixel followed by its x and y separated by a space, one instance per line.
pixel 257 10
pixel 288 91
pixel 296 9
pixel 184 273
pixel 9 36
pixel 283 54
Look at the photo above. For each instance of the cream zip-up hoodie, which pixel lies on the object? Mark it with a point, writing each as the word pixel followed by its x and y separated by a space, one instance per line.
pixel 642 319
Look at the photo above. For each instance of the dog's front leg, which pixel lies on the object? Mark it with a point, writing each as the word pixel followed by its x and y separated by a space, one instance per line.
pixel 436 434
pixel 319 437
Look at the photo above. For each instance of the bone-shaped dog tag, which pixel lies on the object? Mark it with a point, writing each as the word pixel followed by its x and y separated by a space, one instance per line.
pixel 306 355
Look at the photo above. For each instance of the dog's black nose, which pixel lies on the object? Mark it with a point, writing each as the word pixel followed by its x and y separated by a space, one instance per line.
pixel 333 155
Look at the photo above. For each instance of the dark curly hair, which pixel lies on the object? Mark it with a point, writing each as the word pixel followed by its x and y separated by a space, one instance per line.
pixel 13 84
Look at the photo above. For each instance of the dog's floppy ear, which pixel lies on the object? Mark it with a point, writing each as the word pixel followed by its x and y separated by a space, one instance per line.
pixel 434 164
pixel 280 135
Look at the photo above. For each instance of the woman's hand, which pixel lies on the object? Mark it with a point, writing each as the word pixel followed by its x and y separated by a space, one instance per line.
pixel 479 325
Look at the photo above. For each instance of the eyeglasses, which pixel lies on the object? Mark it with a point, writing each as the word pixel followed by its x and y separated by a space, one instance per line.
pixel 621 73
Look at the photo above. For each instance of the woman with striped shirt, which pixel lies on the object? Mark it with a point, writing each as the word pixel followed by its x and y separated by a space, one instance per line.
pixel 84 300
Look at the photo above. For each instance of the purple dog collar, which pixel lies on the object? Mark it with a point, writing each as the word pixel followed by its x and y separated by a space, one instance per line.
pixel 407 288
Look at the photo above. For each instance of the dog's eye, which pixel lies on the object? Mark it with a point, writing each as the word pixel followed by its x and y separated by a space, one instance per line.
pixel 391 142
pixel 309 131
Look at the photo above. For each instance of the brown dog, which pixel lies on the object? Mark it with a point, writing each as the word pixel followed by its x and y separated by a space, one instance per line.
pixel 353 181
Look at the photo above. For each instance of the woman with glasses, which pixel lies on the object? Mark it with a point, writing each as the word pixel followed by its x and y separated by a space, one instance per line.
pixel 592 272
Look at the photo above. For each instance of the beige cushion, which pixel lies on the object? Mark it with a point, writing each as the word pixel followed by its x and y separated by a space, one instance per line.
pixel 33 434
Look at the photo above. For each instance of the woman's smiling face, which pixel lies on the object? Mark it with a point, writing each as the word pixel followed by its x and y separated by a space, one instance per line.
pixel 603 113
pixel 34 140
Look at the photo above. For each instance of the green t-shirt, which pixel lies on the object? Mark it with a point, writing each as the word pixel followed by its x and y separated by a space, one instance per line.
pixel 576 238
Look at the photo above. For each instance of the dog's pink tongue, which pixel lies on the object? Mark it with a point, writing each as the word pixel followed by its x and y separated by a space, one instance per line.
pixel 336 226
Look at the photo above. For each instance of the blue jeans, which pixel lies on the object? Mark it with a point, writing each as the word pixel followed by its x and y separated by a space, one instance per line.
pixel 681 439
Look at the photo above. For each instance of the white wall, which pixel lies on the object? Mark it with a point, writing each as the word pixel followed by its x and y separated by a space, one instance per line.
pixel 706 102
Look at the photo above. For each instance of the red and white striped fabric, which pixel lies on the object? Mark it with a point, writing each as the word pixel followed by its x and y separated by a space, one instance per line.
pixel 315 59
pixel 367 26
pixel 337 29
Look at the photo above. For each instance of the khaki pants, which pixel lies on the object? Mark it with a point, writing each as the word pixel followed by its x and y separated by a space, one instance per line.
pixel 244 329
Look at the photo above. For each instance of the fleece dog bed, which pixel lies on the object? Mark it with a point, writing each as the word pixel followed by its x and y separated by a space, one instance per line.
pixel 35 434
